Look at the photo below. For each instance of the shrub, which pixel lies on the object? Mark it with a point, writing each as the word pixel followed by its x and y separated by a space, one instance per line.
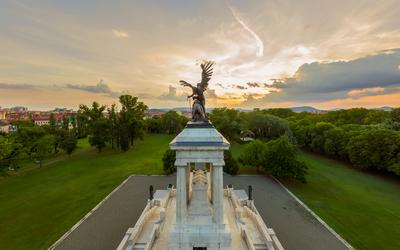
pixel 231 166
pixel 169 162
pixel 281 160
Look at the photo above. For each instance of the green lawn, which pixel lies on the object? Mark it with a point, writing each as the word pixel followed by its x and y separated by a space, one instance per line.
pixel 363 208
pixel 40 205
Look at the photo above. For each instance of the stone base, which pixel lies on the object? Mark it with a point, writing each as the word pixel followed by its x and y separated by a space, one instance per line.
pixel 213 237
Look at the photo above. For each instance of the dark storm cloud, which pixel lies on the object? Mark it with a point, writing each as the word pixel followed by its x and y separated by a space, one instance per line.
pixel 319 81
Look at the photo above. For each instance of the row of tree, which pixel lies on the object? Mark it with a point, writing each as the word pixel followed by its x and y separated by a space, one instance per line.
pixel 103 126
pixel 36 142
pixel 374 147
pixel 168 123
pixel 369 139
pixel 117 128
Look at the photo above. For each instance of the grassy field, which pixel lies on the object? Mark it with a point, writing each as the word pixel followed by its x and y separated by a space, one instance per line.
pixel 363 208
pixel 39 205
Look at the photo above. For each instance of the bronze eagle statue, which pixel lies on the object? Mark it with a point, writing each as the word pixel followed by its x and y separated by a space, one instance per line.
pixel 198 107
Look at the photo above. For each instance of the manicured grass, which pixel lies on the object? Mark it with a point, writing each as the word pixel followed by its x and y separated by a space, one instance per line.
pixel 40 205
pixel 363 208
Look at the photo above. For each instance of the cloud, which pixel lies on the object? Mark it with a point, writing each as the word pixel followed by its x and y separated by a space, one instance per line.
pixel 259 43
pixel 321 81
pixel 16 86
pixel 253 84
pixel 210 93
pixel 172 95
pixel 240 87
pixel 364 92
pixel 120 34
pixel 100 88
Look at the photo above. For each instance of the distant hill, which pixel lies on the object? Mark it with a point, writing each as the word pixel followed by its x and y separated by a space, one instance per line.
pixel 305 109
pixel 298 109
pixel 385 108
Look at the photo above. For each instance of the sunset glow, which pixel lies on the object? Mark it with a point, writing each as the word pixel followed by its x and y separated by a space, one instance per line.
pixel 330 54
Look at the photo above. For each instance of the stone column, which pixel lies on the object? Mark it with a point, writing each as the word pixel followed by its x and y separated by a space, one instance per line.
pixel 210 184
pixel 218 194
pixel 181 202
pixel 188 183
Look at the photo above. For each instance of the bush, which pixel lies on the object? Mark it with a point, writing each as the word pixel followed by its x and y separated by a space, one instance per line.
pixel 277 157
pixel 169 162
pixel 281 160
pixel 375 149
pixel 253 154
pixel 231 166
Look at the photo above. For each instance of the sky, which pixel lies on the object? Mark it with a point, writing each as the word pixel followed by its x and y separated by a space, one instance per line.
pixel 267 53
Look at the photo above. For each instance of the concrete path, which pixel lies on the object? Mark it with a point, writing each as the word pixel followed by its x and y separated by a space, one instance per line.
pixel 295 227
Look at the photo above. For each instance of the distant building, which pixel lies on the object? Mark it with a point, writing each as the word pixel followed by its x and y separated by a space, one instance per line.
pixel 3 114
pixel 4 126
pixel 41 120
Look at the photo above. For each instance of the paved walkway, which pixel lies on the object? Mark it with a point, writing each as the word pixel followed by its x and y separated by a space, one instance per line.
pixel 294 226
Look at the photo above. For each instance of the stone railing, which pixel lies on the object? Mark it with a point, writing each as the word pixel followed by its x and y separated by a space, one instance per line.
pixel 132 234
pixel 244 207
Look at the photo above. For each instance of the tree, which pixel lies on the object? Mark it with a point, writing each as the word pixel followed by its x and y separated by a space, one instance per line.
pixel 231 165
pixel 69 143
pixel 376 116
pixel 335 142
pixel 43 148
pixel 52 122
pixel 227 121
pixel 81 124
pixel 280 160
pixel 318 136
pixel 253 154
pixel 131 119
pixel 99 135
pixel 302 131
pixel 9 152
pixel 374 149
pixel 169 162
pixel 281 112
pixel 98 125
pixel 395 115
pixel 395 119
pixel 153 125
pixel 347 116
pixel 113 122
pixel 172 122
pixel 65 123
pixel 266 126
pixel 28 137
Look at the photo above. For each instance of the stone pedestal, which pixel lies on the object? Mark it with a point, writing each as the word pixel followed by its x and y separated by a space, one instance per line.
pixel 200 143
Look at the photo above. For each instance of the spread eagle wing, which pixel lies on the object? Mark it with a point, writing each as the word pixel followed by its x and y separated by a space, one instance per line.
pixel 206 73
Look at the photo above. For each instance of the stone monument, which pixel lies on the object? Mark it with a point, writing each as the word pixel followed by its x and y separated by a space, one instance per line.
pixel 199 145
pixel 200 213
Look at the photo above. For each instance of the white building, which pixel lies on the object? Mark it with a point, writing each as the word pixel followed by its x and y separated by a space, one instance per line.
pixel 42 121
pixel 200 213
pixel 4 128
